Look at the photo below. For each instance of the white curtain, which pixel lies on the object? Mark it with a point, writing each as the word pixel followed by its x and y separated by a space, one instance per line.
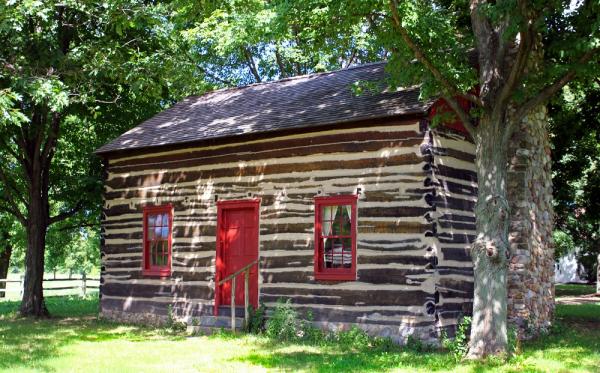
pixel 349 211
pixel 329 212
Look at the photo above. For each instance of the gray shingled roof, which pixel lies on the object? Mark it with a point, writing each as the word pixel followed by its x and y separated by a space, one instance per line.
pixel 305 101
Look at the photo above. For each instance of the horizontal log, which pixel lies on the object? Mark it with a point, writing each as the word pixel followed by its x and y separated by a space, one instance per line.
pixel 332 315
pixel 311 139
pixel 155 308
pixel 274 152
pixel 359 297
pixel 269 169
pixel 149 291
pixel 458 254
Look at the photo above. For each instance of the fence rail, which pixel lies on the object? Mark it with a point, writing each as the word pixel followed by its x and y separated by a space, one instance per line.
pixel 81 284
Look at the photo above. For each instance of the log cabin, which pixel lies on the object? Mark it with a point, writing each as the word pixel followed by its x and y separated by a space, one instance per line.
pixel 352 206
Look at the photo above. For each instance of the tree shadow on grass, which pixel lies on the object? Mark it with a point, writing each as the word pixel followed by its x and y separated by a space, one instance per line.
pixel 338 358
pixel 29 343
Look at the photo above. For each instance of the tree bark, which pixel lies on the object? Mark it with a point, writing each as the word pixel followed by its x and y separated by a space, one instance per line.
pixel 490 250
pixel 33 303
pixel 5 262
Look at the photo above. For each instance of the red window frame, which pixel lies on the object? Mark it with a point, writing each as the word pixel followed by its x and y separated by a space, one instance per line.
pixel 334 274
pixel 147 268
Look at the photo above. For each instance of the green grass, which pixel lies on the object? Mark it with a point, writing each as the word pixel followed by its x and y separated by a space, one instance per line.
pixel 571 290
pixel 75 340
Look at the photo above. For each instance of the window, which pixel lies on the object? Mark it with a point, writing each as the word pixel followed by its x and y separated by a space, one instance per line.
pixel 335 238
pixel 158 223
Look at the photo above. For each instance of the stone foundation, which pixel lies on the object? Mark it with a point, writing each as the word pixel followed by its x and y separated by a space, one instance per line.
pixel 531 268
pixel 134 318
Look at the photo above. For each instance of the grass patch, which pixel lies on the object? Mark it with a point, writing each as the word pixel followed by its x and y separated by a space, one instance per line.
pixel 573 290
pixel 76 340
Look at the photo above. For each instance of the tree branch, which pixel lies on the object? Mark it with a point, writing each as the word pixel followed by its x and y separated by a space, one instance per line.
pixel 551 89
pixel 420 55
pixel 15 155
pixel 280 64
pixel 462 115
pixel 69 227
pixel 452 91
pixel 250 63
pixel 14 211
pixel 50 144
pixel 520 63
pixel 66 214
pixel 11 191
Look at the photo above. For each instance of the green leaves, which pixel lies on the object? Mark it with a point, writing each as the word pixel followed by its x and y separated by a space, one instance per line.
pixel 49 92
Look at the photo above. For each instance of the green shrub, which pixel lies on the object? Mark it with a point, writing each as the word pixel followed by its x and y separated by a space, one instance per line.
pixel 414 344
pixel 310 333
pixel 256 321
pixel 173 325
pixel 354 338
pixel 283 323
pixel 514 342
pixel 459 346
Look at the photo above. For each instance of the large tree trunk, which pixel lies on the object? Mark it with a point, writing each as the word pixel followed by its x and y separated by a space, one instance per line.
pixel 4 262
pixel 32 303
pixel 490 249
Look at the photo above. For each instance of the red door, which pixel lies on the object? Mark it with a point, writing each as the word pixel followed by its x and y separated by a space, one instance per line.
pixel 237 246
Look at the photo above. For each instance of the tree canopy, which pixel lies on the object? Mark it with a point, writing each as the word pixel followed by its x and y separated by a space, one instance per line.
pixel 74 74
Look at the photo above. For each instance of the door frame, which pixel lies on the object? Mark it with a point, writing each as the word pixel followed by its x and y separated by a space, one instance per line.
pixel 222 205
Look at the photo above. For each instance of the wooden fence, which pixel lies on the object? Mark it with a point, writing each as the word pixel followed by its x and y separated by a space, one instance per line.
pixel 82 284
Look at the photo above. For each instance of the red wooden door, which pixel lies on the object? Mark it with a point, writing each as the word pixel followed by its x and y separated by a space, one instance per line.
pixel 237 247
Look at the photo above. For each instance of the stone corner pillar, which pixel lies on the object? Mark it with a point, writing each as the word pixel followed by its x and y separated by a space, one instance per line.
pixel 531 267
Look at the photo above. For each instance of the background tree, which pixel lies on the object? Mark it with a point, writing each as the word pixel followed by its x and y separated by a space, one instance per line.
pixel 72 74
pixel 8 231
pixel 243 42
pixel 513 79
pixel 575 128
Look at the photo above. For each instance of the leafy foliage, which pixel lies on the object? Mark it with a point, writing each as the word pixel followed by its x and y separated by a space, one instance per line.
pixel 575 127
pixel 459 345
pixel 283 323
pixel 257 320
pixel 74 74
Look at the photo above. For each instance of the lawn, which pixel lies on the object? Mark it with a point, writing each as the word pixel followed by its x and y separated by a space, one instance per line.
pixel 573 290
pixel 75 340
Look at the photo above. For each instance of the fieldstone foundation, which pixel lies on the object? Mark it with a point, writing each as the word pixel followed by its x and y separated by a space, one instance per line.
pixel 134 317
pixel 531 267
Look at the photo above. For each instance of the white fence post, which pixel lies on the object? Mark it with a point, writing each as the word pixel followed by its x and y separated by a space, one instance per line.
pixel 83 284
pixel 21 286
pixel 598 276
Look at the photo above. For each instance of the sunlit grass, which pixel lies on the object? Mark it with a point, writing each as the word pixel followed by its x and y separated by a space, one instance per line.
pixel 75 340
pixel 564 290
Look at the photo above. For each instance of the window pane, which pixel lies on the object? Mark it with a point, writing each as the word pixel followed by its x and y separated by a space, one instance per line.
pixel 345 221
pixel 165 219
pixel 150 233
pixel 165 232
pixel 347 256
pixel 165 252
pixel 326 221
pixel 327 253
pixel 335 215
pixel 153 253
pixel 151 220
pixel 338 251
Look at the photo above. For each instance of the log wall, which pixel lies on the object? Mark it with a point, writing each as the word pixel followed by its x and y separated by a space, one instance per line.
pixel 416 196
